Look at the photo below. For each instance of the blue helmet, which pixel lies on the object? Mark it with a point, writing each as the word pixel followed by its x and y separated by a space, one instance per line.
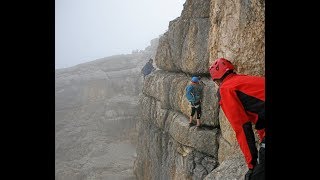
pixel 195 79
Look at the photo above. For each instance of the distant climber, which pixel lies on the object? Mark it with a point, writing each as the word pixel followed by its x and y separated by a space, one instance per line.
pixel 242 100
pixel 147 68
pixel 194 93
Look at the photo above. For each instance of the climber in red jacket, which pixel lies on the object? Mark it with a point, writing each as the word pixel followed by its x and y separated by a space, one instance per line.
pixel 242 98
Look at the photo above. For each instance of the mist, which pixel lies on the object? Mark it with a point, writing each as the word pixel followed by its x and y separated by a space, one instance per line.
pixel 86 30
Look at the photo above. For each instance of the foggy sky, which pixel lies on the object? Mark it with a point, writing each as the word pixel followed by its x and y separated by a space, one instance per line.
pixel 86 30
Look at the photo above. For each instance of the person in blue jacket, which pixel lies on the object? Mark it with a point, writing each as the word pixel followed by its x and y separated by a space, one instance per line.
pixel 194 93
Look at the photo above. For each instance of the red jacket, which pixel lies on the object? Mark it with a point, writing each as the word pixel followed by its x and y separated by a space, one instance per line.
pixel 242 98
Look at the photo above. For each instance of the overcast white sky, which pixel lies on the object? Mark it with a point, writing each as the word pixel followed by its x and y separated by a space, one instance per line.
pixel 86 30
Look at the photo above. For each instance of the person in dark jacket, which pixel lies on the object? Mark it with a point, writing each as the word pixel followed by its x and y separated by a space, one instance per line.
pixel 147 68
pixel 242 99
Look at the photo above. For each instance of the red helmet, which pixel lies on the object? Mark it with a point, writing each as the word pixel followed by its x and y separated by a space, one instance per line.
pixel 219 67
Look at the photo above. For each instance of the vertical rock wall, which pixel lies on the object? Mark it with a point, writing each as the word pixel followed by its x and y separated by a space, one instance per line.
pixel 206 30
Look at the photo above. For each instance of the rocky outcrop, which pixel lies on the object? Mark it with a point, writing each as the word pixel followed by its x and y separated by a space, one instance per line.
pixel 96 112
pixel 184 48
pixel 237 33
pixel 169 149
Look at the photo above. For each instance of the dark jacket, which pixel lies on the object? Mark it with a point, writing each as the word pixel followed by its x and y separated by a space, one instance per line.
pixel 147 69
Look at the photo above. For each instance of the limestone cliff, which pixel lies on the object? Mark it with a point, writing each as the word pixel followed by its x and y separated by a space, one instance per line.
pixel 167 147
pixel 96 111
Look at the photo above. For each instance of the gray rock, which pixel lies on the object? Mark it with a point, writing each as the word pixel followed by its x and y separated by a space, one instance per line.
pixel 206 30
pixel 238 34
pixel 96 115
pixel 185 46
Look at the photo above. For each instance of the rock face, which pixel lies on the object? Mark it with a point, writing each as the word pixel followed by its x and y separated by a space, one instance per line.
pixel 237 33
pixel 95 118
pixel 169 89
pixel 167 147
pixel 184 48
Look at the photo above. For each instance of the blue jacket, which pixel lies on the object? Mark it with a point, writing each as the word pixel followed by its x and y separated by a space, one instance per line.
pixel 194 92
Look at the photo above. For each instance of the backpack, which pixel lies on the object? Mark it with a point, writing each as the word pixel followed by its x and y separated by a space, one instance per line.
pixel 192 93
